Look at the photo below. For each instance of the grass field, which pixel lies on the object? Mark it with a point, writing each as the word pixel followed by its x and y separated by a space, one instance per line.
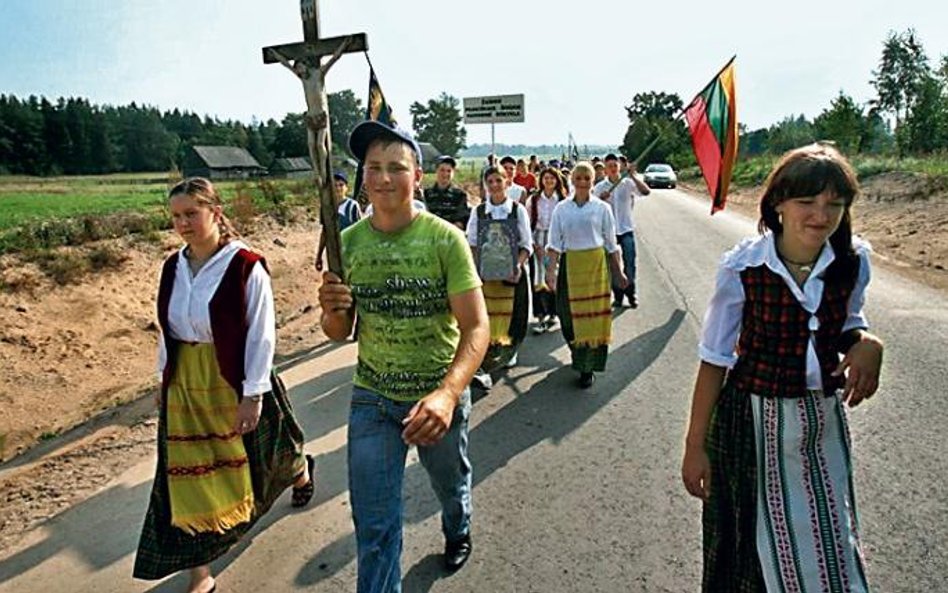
pixel 42 213
pixel 23 207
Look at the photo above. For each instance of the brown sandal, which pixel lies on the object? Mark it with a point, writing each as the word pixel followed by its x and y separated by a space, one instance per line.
pixel 303 494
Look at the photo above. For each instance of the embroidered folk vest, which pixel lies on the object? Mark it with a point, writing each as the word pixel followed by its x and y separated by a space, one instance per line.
pixel 228 309
pixel 775 332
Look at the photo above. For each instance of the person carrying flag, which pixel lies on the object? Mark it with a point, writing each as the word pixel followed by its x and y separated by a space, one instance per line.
pixel 620 193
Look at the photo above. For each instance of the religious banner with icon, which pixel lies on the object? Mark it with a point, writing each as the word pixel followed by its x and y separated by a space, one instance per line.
pixel 497 247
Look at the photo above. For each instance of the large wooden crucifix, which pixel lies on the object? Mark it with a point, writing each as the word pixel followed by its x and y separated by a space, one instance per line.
pixel 305 61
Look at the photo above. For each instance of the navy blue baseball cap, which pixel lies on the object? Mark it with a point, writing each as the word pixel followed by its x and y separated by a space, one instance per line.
pixel 341 177
pixel 368 131
pixel 449 160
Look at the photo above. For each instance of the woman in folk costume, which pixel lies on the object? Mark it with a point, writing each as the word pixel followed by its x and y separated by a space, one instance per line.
pixel 768 447
pixel 228 442
pixel 540 208
pixel 507 297
pixel 583 240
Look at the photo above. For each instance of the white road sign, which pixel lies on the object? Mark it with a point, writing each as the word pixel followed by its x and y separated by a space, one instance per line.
pixel 497 109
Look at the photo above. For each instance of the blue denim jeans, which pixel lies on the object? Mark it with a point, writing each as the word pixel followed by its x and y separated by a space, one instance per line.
pixel 626 242
pixel 376 454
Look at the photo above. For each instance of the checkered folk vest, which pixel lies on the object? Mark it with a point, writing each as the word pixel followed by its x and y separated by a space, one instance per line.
pixel 228 309
pixel 775 331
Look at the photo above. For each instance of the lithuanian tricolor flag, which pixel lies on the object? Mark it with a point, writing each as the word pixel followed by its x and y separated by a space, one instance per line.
pixel 712 122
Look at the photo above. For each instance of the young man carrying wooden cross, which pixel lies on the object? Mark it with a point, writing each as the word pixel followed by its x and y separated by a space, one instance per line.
pixel 423 331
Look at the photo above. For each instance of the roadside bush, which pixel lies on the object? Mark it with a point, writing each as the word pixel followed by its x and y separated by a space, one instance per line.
pixel 73 232
pixel 105 257
pixel 275 199
pixel 242 210
pixel 62 266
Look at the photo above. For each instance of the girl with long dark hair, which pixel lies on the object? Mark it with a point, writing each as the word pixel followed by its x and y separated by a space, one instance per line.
pixel 768 447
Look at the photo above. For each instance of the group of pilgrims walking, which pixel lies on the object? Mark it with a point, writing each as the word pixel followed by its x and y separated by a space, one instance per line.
pixel 555 237
pixel 442 294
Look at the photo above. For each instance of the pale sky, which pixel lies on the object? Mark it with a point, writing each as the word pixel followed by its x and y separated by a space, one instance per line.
pixel 577 63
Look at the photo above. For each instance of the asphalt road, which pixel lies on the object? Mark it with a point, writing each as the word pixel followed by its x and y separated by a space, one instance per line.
pixel 574 490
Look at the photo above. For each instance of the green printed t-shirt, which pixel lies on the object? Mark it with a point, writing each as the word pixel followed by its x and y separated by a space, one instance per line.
pixel 401 282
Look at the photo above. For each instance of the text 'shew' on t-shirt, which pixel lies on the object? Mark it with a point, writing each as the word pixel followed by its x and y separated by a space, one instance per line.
pixel 401 283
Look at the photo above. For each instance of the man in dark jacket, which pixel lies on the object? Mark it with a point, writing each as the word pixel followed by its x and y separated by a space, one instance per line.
pixel 445 199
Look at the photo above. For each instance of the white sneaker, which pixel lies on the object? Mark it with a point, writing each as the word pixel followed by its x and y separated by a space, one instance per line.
pixel 541 326
pixel 552 323
pixel 512 362
pixel 483 380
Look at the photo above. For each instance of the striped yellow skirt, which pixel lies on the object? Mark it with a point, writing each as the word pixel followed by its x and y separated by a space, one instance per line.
pixel 587 292
pixel 208 475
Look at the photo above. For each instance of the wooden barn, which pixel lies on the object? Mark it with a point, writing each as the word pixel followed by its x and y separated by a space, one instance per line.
pixel 292 168
pixel 301 167
pixel 221 162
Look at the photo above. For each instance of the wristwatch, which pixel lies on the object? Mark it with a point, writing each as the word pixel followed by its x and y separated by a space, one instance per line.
pixel 255 397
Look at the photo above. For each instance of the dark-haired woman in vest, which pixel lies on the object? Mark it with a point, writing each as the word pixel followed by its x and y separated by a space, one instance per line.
pixel 540 207
pixel 768 448
pixel 507 298
pixel 228 443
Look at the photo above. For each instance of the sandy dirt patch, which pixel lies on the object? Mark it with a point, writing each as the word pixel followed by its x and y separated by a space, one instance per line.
pixel 903 215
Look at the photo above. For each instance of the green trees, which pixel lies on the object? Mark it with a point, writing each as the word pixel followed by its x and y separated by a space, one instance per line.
pixel 925 128
pixel 789 133
pixel 651 115
pixel 914 94
pixel 902 72
pixel 909 112
pixel 73 137
pixel 345 112
pixel 439 122
pixel 843 121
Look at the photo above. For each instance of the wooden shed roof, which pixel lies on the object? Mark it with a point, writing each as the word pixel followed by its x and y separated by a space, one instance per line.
pixel 226 157
pixel 299 163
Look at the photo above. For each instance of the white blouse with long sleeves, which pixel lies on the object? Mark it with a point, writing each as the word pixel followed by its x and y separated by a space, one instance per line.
pixel 722 320
pixel 545 206
pixel 575 228
pixel 189 317
pixel 502 212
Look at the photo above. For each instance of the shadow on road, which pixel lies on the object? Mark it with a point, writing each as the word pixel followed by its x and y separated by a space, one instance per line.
pixel 320 406
pixel 551 409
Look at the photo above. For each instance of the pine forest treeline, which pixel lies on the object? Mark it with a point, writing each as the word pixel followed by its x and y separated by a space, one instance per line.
pixel 74 137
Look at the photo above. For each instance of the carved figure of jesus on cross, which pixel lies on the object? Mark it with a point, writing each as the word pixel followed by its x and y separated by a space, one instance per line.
pixel 305 60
